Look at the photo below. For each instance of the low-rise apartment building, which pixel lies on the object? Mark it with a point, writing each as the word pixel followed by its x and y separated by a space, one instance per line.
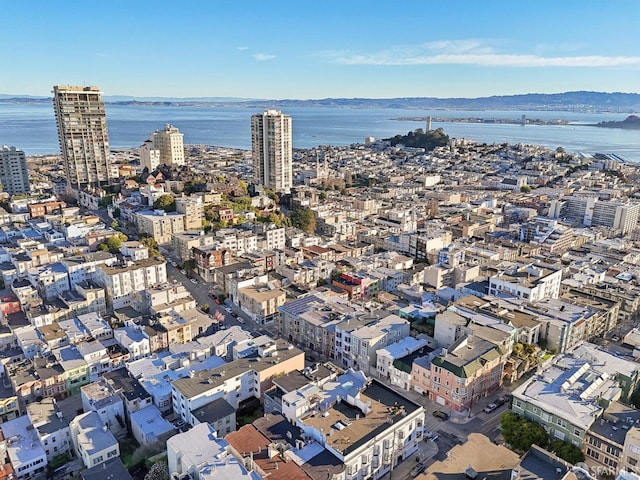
pixel 122 282
pixel 160 225
pixel 566 397
pixel 459 376
pixel 236 381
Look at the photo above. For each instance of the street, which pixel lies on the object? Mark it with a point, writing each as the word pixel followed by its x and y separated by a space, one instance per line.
pixel 200 291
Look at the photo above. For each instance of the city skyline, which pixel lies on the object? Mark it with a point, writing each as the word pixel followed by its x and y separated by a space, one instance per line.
pixel 354 49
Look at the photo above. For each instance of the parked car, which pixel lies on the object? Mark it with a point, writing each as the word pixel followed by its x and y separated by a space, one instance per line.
pixel 184 272
pixel 418 469
pixel 240 320
pixel 194 281
pixel 228 309
pixel 431 436
pixel 490 408
pixel 501 401
pixel 441 415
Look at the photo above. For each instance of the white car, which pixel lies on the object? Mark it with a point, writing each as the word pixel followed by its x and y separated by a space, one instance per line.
pixel 228 309
pixel 194 281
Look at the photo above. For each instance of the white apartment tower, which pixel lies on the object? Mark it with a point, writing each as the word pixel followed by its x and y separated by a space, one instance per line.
pixel 82 132
pixel 170 143
pixel 272 150
pixel 13 171
pixel 149 156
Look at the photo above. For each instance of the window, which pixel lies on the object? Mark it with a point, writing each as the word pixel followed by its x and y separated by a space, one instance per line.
pixel 632 461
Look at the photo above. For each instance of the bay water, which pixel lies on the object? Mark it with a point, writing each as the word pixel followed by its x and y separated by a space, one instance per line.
pixel 32 127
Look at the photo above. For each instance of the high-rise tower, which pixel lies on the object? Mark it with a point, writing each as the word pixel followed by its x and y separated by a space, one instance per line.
pixel 14 175
pixel 82 131
pixel 170 143
pixel 272 150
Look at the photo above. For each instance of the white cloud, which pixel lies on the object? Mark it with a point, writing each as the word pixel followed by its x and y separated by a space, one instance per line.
pixel 242 48
pixel 261 57
pixel 473 52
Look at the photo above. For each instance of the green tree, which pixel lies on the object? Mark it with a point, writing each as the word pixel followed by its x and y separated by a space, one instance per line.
pixel 151 244
pixel 304 219
pixel 525 189
pixel 567 451
pixel 205 307
pixel 189 265
pixel 116 212
pixel 111 244
pixel 106 200
pixel 158 471
pixel 521 433
pixel 165 202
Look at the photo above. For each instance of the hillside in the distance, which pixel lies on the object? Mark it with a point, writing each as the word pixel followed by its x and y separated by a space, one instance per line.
pixel 568 101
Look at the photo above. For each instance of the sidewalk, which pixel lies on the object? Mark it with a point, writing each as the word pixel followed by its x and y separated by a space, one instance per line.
pixel 426 451
pixel 461 418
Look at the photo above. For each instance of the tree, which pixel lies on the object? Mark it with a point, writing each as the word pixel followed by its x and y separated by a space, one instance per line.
pixel 116 212
pixel 304 219
pixel 151 244
pixel 525 189
pixel 205 307
pixel 521 433
pixel 111 244
pixel 159 471
pixel 567 451
pixel 165 202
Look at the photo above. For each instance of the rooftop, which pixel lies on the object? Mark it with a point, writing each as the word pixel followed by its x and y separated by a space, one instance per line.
pixel 112 469
pixel 249 440
pixel 23 443
pixel 478 453
pixel 213 411
pixel 615 422
pixel 348 428
pixel 206 380
pixel 46 416
pixel 92 433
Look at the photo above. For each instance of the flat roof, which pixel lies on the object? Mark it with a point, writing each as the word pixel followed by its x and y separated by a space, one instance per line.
pixel 356 429
pixel 151 422
pixel 213 411
pixel 205 380
pixel 479 453
pixel 92 433
pixel 112 469
pixel 23 443
pixel 46 416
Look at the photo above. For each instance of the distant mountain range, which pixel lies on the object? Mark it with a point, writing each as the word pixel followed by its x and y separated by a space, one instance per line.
pixel 568 101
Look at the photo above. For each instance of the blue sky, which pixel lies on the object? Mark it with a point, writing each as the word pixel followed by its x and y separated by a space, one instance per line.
pixel 318 49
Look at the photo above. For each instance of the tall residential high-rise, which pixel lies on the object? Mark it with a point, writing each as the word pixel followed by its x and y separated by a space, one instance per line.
pixel 82 131
pixel 170 144
pixel 272 150
pixel 13 171
pixel 149 156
